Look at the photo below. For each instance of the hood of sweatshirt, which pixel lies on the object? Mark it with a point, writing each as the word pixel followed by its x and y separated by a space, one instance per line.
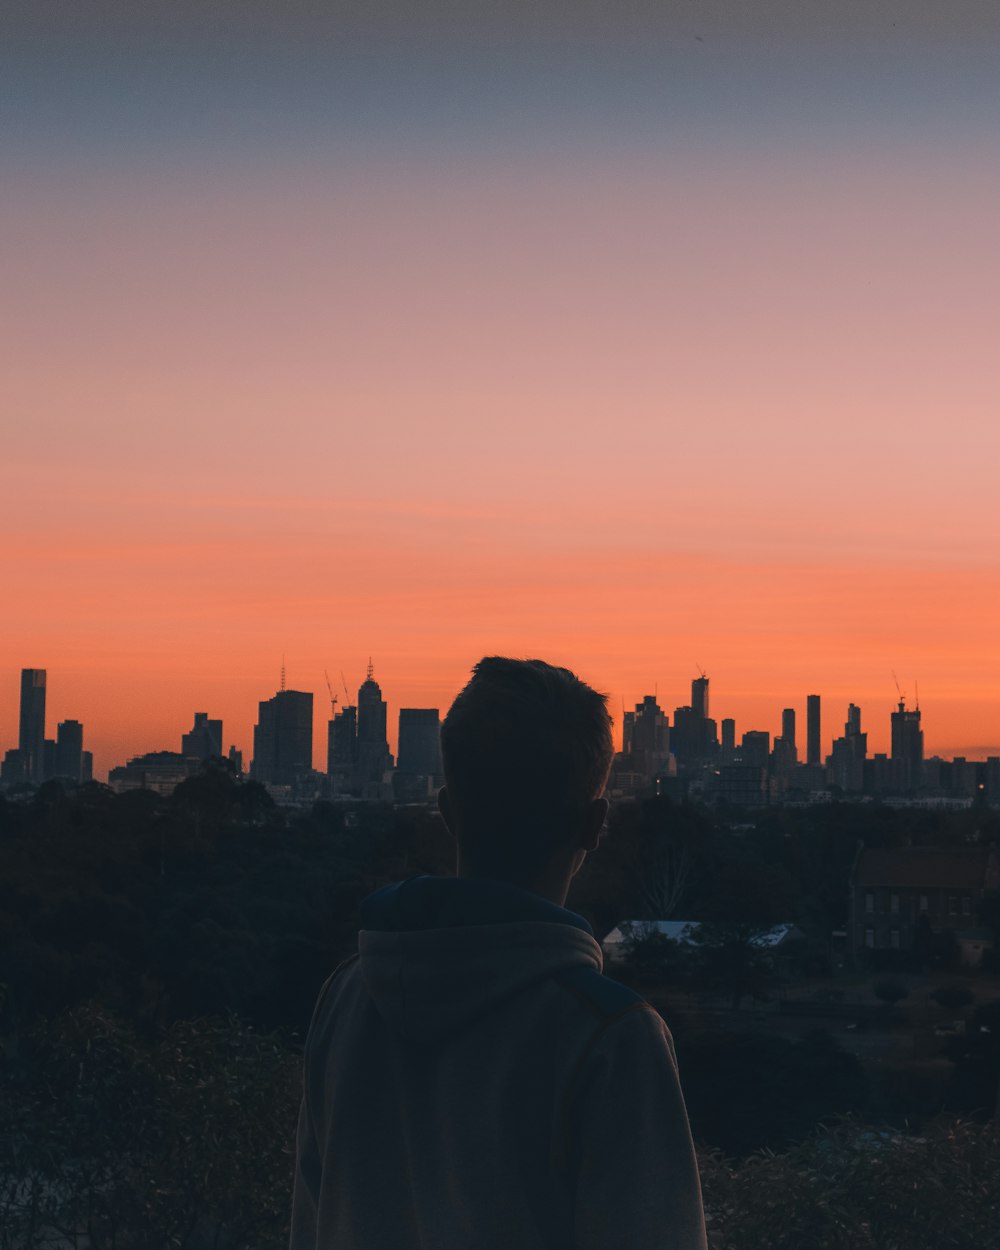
pixel 436 953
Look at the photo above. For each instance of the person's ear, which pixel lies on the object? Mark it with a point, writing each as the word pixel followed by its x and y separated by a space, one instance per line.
pixel 444 807
pixel 596 817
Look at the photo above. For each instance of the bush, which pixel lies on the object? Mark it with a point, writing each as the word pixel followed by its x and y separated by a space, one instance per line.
pixel 889 991
pixel 953 997
pixel 854 1188
pixel 142 1146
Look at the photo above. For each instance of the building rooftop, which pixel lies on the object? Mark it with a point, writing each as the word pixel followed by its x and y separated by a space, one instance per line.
pixel 949 868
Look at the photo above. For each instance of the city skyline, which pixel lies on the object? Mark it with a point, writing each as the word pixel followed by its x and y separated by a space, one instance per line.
pixel 833 717
pixel 657 337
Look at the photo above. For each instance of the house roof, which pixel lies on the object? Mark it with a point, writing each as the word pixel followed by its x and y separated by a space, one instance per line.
pixel 683 931
pixel 947 868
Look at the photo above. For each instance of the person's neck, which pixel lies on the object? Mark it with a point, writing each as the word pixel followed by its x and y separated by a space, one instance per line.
pixel 551 882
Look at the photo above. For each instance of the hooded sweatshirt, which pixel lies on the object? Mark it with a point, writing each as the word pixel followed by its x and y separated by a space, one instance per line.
pixel 472 1082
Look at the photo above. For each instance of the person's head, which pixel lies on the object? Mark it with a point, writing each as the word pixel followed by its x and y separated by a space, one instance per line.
pixel 527 750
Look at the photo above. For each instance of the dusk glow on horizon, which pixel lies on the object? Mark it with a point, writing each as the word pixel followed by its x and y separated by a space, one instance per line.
pixel 662 344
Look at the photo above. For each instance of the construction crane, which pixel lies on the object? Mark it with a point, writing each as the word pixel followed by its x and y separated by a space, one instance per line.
pixel 901 693
pixel 333 697
pixel 343 682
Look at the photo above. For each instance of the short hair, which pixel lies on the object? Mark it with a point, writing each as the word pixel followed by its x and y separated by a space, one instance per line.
pixel 526 747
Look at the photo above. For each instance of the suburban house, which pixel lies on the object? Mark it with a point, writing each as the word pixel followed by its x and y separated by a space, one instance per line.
pixel 893 887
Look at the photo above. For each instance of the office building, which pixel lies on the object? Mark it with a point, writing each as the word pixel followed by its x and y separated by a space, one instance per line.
pixel 68 763
pixel 755 748
pixel 645 740
pixel 907 748
pixel 374 760
pixel 728 739
pixel 846 763
pixel 342 749
pixel 282 739
pixel 813 745
pixel 31 736
pixel 204 741
pixel 694 737
pixel 419 753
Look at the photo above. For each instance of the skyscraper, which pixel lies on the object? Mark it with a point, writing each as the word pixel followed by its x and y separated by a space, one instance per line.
pixel 282 738
pixel 69 751
pixel 31 736
pixel 419 751
pixel 788 726
pixel 907 747
pixel 846 765
pixel 813 747
pixel 342 749
pixel 647 739
pixel 694 738
pixel 374 759
pixel 204 741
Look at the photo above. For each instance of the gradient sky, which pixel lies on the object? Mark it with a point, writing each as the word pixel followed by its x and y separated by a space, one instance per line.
pixel 632 340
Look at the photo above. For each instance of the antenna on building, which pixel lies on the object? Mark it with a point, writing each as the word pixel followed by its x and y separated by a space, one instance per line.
pixel 916 686
pixel 371 669
pixel 333 697
pixel 282 672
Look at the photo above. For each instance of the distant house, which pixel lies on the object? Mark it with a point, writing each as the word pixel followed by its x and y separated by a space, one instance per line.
pixel 685 933
pixel 892 887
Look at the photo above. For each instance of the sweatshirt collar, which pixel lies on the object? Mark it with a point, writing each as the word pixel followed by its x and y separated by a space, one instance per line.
pixel 428 902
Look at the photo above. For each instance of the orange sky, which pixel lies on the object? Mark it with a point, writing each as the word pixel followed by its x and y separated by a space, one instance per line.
pixel 568 370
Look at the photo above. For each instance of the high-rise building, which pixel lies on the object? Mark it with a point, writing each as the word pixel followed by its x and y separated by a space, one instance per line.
pixel 694 739
pixel 419 752
pixel 846 763
pixel 813 744
pixel 68 762
pixel 755 748
pixel 788 726
pixel 374 759
pixel 907 747
pixel 31 736
pixel 282 738
pixel 646 738
pixel 342 749
pixel 728 738
pixel 204 741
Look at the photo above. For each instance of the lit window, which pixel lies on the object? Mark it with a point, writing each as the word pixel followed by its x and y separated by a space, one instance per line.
pixel 869 903
pixel 870 938
pixel 894 904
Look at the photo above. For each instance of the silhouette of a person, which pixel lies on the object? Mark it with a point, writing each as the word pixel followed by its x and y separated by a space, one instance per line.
pixel 472 1081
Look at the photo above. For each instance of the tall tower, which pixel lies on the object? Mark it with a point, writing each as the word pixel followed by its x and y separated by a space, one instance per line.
pixel 69 750
pixel 283 738
pixel 373 748
pixel 788 726
pixel 813 753
pixel 31 736
pixel 205 739
pixel 699 697
pixel 907 747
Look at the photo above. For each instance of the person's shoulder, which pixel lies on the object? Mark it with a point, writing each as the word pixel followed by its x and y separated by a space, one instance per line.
pixel 604 998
